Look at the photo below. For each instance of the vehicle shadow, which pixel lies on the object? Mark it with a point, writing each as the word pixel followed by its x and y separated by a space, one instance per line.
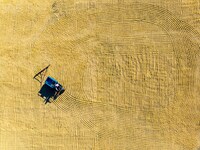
pixel 46 92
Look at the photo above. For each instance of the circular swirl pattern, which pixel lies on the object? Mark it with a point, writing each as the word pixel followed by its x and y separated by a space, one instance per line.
pixel 118 59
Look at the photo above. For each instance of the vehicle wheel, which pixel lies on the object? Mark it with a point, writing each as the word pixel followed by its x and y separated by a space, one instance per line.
pixel 62 91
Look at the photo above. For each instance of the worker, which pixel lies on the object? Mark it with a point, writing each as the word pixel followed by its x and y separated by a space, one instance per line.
pixel 57 87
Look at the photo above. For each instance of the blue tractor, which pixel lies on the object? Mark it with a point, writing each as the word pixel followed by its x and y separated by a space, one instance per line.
pixel 51 87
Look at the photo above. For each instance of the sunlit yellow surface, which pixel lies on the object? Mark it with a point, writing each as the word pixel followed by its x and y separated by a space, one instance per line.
pixel 130 70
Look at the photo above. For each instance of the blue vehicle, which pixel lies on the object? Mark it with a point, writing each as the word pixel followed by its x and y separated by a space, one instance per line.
pixel 51 89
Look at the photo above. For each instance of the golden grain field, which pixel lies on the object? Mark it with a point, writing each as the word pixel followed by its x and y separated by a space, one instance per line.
pixel 130 69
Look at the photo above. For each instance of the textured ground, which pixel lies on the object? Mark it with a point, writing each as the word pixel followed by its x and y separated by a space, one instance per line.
pixel 130 69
